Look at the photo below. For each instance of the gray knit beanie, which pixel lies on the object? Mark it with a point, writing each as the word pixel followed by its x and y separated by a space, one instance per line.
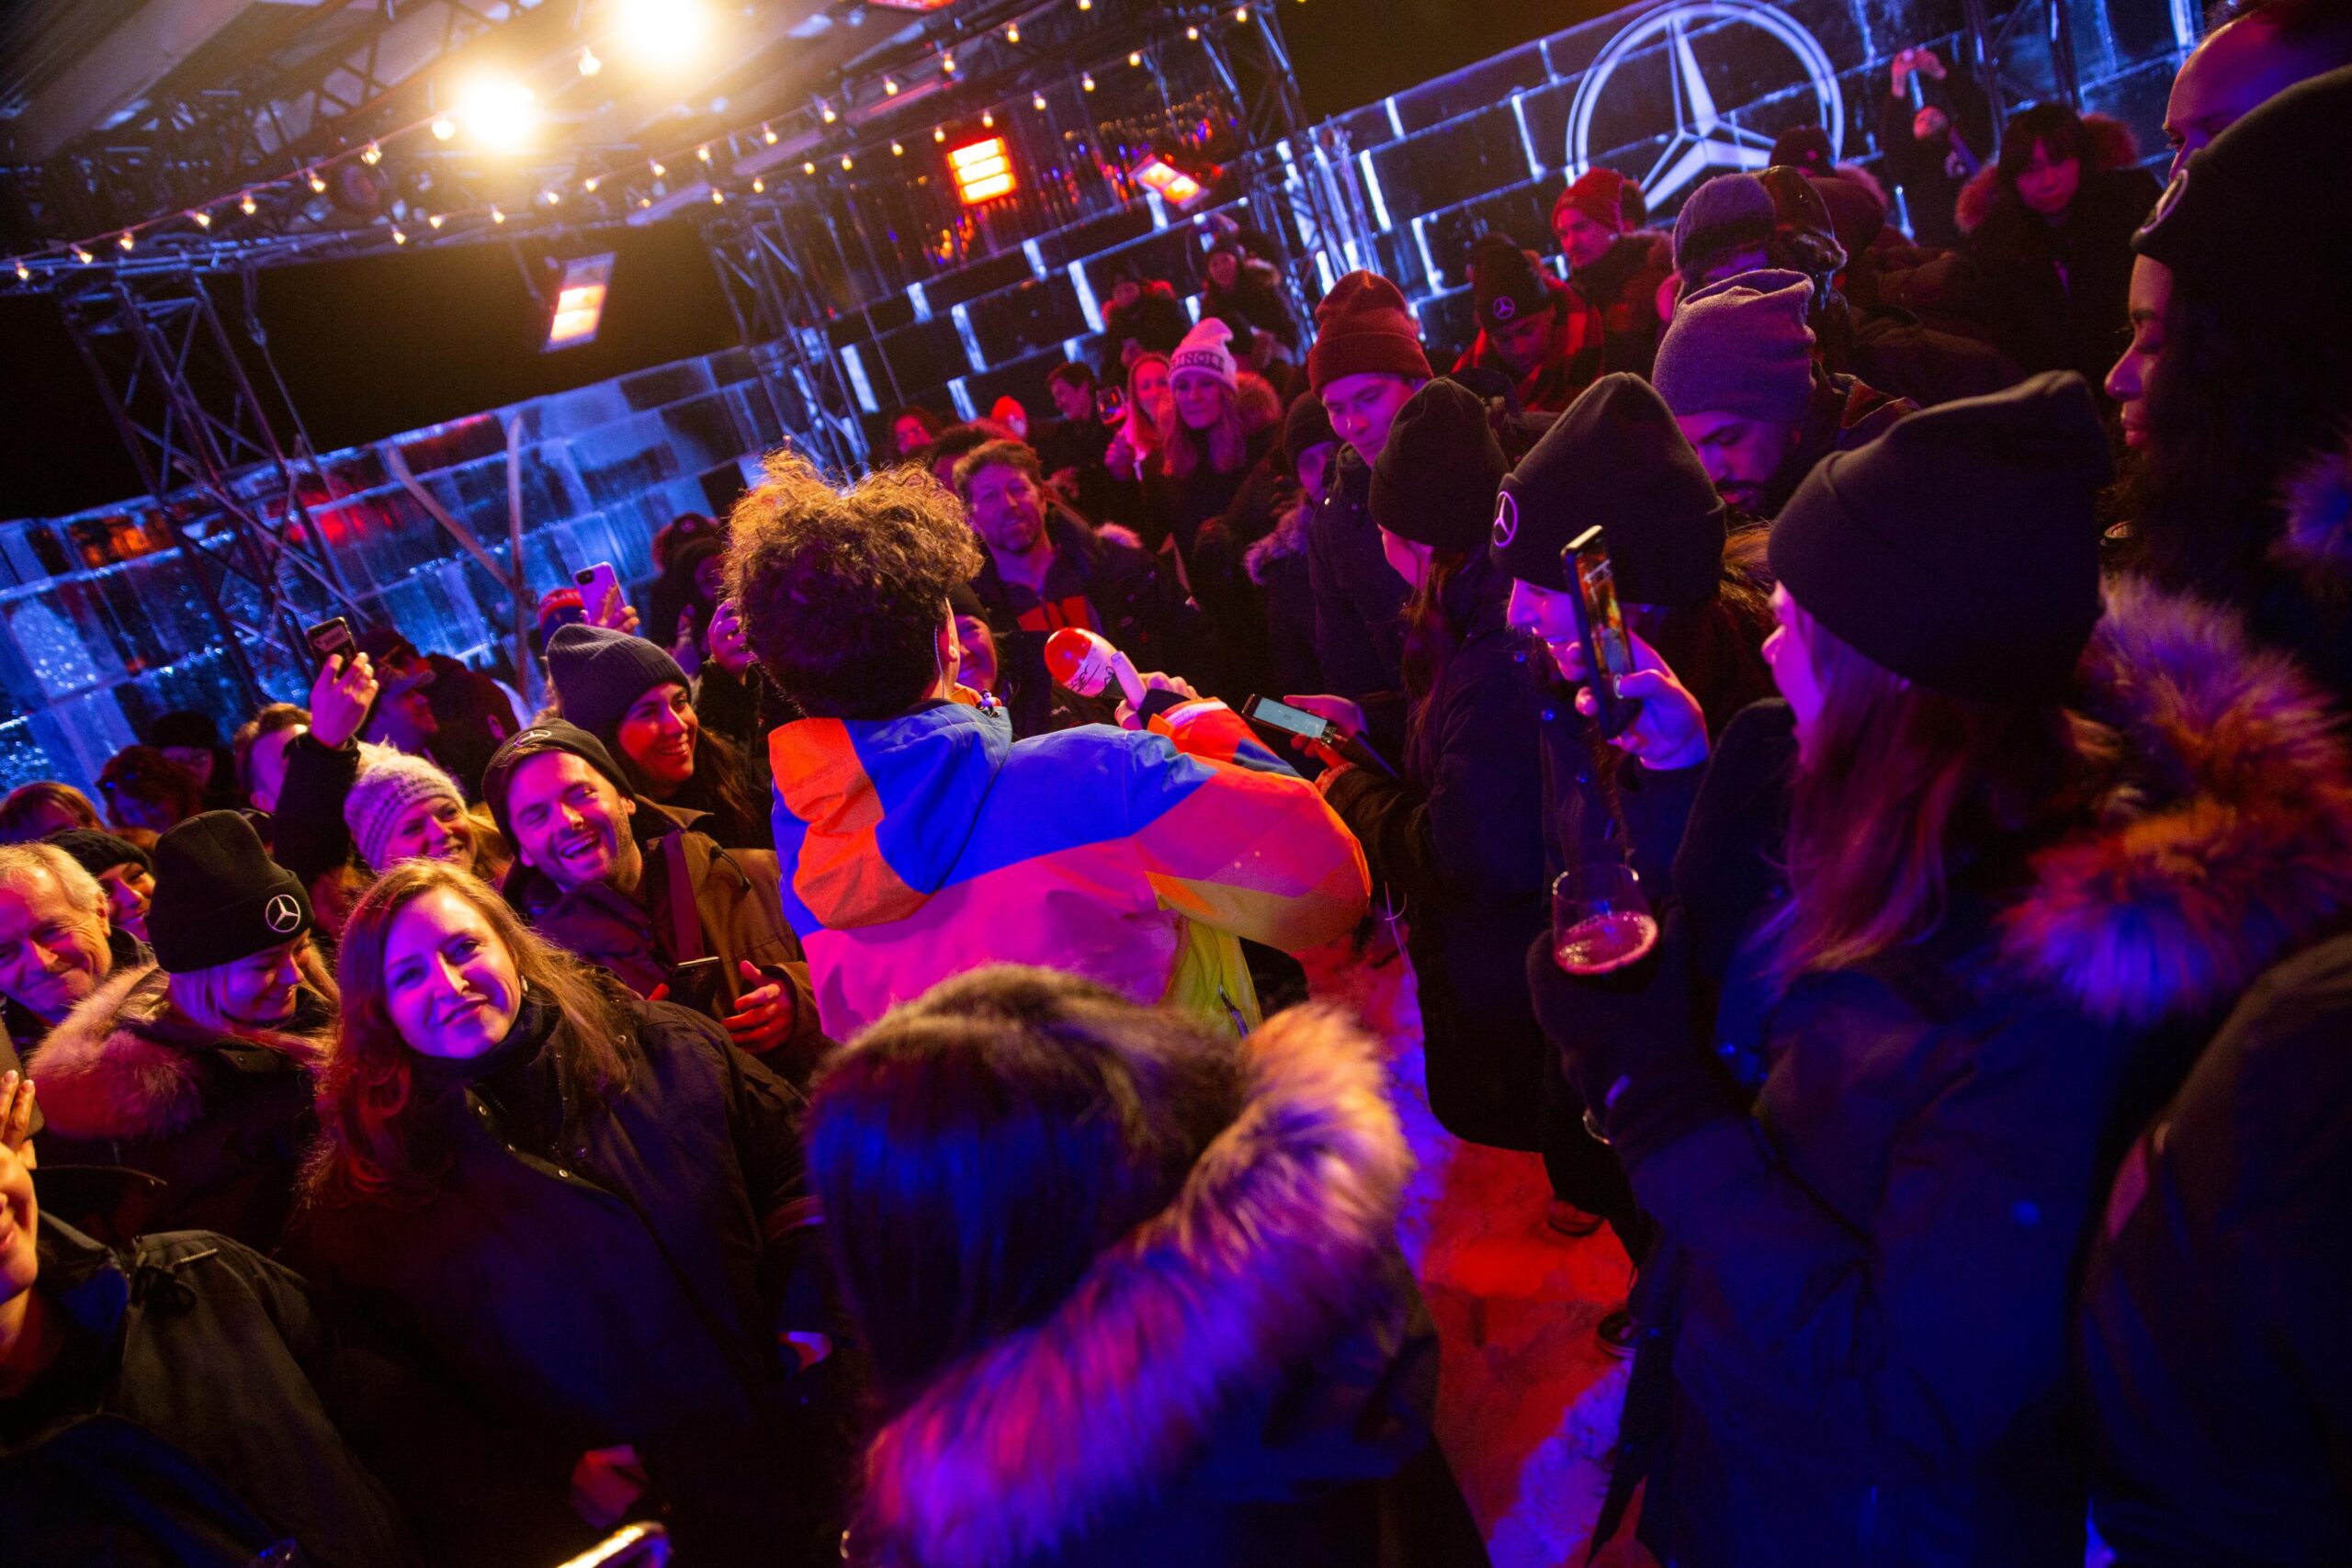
pixel 390 782
pixel 1740 347
pixel 599 674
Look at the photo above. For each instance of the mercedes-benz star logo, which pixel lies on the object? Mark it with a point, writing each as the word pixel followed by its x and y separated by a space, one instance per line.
pixel 1506 519
pixel 1503 307
pixel 283 914
pixel 1703 141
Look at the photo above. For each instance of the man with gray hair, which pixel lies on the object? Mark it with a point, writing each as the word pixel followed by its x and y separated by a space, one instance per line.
pixel 56 944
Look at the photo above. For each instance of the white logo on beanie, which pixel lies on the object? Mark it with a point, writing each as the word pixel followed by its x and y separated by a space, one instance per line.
pixel 1505 520
pixel 283 914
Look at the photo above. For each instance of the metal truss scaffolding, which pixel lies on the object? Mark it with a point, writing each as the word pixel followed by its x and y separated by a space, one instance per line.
pixel 228 486
pixel 768 291
pixel 1998 63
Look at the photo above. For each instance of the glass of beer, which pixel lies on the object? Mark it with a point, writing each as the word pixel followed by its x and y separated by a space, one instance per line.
pixel 1600 920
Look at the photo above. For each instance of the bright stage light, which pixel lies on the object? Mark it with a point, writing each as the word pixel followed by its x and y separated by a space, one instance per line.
pixel 663 33
pixel 1175 187
pixel 496 112
pixel 443 128
pixel 589 63
pixel 983 171
pixel 580 301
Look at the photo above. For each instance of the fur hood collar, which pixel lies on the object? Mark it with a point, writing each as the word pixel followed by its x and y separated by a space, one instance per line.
pixel 1287 540
pixel 2226 843
pixel 2317 543
pixel 2112 146
pixel 1263 1258
pixel 122 1065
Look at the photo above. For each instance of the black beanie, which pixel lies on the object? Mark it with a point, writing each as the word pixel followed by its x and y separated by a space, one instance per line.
pixel 184 728
pixel 97 853
pixel 554 734
pixel 219 896
pixel 1505 284
pixel 2293 279
pixel 1434 483
pixel 1305 427
pixel 1617 459
pixel 1959 549
pixel 599 672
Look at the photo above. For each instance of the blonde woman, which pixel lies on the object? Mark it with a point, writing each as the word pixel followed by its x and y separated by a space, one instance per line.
pixel 195 1069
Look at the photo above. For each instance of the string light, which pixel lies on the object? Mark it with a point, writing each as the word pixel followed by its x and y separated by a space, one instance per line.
pixel 717 197
pixel 1085 81
pixel 988 118
pixel 1135 57
pixel 1037 102
pixel 938 133
pixel 1086 5
pixel 896 150
pixel 703 151
pixel 1013 32
pixel 81 255
pixel 436 220
pixel 203 218
pixel 246 205
pixel 1194 34
pixel 846 164
pixel 645 201
pixel 810 167
pixel 657 170
pixel 589 63
pixel 443 128
pixel 590 183
pixel 398 238
pixel 767 135
pixel 890 88
pixel 496 216
pixel 24 272
pixel 1241 13
pixel 826 110
pixel 317 185
pixel 946 64
pixel 125 241
pixel 373 156
pixel 552 196
pixel 759 185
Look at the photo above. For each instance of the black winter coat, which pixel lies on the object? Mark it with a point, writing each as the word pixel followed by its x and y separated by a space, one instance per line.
pixel 1279 1416
pixel 2058 292
pixel 623 1285
pixel 222 1121
pixel 192 1420
pixel 1359 599
pixel 1870 1325
pixel 1459 841
pixel 2218 1292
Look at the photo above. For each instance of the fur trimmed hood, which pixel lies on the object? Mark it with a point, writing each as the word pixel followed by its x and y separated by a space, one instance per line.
pixel 1287 540
pixel 121 1066
pixel 2225 845
pixel 2112 146
pixel 2317 543
pixel 1264 1256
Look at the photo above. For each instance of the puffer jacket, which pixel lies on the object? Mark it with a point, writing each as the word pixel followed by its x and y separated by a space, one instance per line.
pixel 625 1280
pixel 1244 1378
pixel 200 1417
pixel 919 847
pixel 220 1120
pixel 1869 1326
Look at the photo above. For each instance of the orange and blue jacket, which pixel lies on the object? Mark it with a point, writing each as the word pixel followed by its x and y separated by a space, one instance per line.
pixel 919 847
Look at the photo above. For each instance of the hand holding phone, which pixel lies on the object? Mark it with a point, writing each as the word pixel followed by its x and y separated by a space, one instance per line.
pixel 341 699
pixel 1600 626
pixel 329 638
pixel 600 596
pixel 1669 730
pixel 699 984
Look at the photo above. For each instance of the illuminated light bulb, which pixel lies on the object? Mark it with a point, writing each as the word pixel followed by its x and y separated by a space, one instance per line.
pixel 1086 82
pixel 826 110
pixel 890 88
pixel 318 186
pixel 1037 102
pixel 1086 5
pixel 590 183
pixel 759 185
pixel 373 156
pixel 810 167
pixel 947 64
pixel 645 201
pixel 435 221
pixel 589 63
pixel 767 135
pixel 24 272
pixel 717 197
pixel 496 112
pixel 703 151
pixel 1194 34
pixel 398 238
pixel 1135 57
pixel 125 241
pixel 988 118
pixel 496 216
pixel 846 164
pixel 246 205
pixel 81 255
pixel 552 196
pixel 1013 32
pixel 203 218
pixel 443 128
pixel 657 170
pixel 665 33
pixel 1241 13
pixel 938 133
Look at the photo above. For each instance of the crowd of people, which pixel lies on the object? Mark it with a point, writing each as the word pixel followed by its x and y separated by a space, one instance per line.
pixel 836 1081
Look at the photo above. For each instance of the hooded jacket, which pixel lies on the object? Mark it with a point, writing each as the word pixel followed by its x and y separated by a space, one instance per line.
pixel 1231 1383
pixel 198 1424
pixel 917 847
pixel 1869 1334
pixel 220 1120
pixel 1575 353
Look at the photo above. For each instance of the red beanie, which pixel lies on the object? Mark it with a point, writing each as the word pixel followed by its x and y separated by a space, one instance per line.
pixel 1600 195
pixel 1362 328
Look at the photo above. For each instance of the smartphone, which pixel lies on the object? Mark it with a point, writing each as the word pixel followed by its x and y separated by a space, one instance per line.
pixel 1110 404
pixel 1282 715
pixel 1600 625
pixel 330 638
pixel 595 584
pixel 699 984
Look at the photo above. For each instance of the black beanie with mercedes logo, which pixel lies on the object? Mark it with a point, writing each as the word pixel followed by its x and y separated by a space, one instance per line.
pixel 219 896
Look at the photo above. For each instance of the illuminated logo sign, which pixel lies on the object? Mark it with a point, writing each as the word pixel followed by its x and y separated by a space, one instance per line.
pixel 1703 142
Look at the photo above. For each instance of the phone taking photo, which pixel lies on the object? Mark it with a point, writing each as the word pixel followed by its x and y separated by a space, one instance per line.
pixel 1298 721
pixel 597 583
pixel 329 638
pixel 1600 626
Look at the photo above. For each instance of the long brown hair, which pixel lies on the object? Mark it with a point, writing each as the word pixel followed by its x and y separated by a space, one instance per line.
pixel 368 1148
pixel 1431 639
pixel 1226 443
pixel 1895 785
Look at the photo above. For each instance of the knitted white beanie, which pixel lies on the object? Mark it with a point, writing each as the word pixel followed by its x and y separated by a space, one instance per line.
pixel 390 782
pixel 1203 353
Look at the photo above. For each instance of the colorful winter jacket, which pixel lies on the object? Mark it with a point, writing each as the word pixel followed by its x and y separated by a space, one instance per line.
pixel 919 847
